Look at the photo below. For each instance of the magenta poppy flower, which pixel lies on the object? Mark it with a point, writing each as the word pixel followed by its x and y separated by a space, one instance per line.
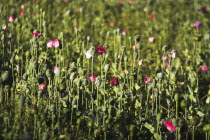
pixel 42 86
pixel 100 50
pixel 56 43
pixel 167 64
pixel 124 32
pixel 21 13
pixel 50 44
pixel 147 79
pixel 35 34
pixel 56 69
pixel 197 25
pixel 164 57
pixel 151 39
pixel 92 77
pixel 169 126
pixel 11 18
pixel 114 81
pixel 204 68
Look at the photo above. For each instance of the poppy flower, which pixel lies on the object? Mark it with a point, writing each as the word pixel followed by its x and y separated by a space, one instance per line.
pixel 21 13
pixel 42 86
pixel 167 64
pixel 56 69
pixel 111 23
pixel 4 27
pixel 35 34
pixel 75 27
pixel 197 25
pixel 151 39
pixel 114 81
pixel 169 126
pixel 50 44
pixel 88 54
pixel 11 18
pixel 151 16
pixel 204 68
pixel 140 62
pixel 56 43
pixel 173 54
pixel 147 79
pixel 124 32
pixel 164 57
pixel 92 77
pixel 100 50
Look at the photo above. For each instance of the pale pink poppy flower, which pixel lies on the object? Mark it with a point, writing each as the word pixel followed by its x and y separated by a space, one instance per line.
pixel 21 13
pixel 111 23
pixel 147 79
pixel 197 25
pixel 23 6
pixel 122 2
pixel 4 27
pixel 151 39
pixel 204 68
pixel 164 57
pixel 140 62
pixel 92 77
pixel 131 2
pixel 56 69
pixel 145 9
pixel 11 18
pixel 42 86
pixel 169 126
pixel 173 54
pixel 134 47
pixel 75 27
pixel 50 44
pixel 56 43
pixel 124 32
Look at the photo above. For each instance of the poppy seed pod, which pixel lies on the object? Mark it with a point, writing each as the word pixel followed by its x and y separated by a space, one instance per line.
pixel 106 67
pixel 5 76
pixel 137 38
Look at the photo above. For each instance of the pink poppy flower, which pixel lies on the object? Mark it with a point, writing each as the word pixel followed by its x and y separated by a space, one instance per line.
pixel 147 79
pixel 42 86
pixel 75 27
pixel 21 13
pixel 169 126
pixel 114 81
pixel 4 27
pixel 17 68
pixel 100 50
pixel 23 6
pixel 50 44
pixel 122 2
pixel 145 9
pixel 124 32
pixel 118 55
pixel 131 2
pixel 204 68
pixel 134 47
pixel 151 39
pixel 35 34
pixel 111 23
pixel 35 12
pixel 92 77
pixel 56 43
pixel 11 18
pixel 164 57
pixel 173 54
pixel 197 25
pixel 56 69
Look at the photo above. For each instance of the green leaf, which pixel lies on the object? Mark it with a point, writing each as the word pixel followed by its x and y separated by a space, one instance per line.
pixel 157 136
pixel 137 86
pixel 150 127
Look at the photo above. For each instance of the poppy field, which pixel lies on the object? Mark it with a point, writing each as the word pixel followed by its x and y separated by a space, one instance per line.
pixel 104 69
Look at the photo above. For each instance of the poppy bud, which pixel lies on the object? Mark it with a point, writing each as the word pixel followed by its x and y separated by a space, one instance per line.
pixel 206 127
pixel 25 76
pixel 123 49
pixel 98 81
pixel 175 122
pixel 72 76
pixel 45 136
pixel 159 116
pixel 135 56
pixel 12 60
pixel 22 100
pixel 36 44
pixel 52 108
pixel 106 67
pixel 183 104
pixel 5 76
pixel 176 97
pixel 125 59
pixel 132 127
pixel 27 53
pixel 48 73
